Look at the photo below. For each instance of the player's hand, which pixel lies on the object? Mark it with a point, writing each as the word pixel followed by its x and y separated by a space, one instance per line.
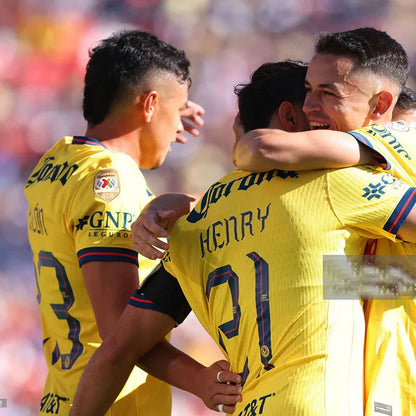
pixel 226 393
pixel 191 120
pixel 148 230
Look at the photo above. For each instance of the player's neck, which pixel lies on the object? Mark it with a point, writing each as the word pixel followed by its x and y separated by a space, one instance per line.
pixel 116 138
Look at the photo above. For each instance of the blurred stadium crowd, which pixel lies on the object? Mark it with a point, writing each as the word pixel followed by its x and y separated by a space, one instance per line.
pixel 43 52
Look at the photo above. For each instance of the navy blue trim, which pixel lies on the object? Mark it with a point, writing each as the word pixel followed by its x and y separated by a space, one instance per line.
pixel 139 300
pixel 87 140
pixel 55 354
pixel 378 156
pixel 401 212
pixel 107 254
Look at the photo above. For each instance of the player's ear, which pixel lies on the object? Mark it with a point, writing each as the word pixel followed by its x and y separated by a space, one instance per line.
pixel 382 102
pixel 287 116
pixel 149 102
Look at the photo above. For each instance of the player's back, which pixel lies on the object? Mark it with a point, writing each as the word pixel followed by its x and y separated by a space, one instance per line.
pixel 249 259
pixel 74 215
pixel 53 190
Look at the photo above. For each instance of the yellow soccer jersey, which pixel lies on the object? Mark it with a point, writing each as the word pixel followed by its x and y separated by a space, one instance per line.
pixel 82 202
pixel 249 259
pixel 390 352
pixel 394 145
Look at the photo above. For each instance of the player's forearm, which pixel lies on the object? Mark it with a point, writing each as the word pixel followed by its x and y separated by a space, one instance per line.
pixel 258 150
pixel 100 384
pixel 268 149
pixel 172 366
pixel 110 366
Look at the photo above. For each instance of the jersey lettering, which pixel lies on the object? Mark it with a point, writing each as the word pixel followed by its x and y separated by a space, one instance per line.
pixel 225 274
pixel 47 259
pixel 51 172
pixel 219 190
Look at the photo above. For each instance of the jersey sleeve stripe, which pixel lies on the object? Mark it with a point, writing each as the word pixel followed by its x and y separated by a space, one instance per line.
pixel 107 254
pixel 401 211
pixel 140 301
pixel 378 156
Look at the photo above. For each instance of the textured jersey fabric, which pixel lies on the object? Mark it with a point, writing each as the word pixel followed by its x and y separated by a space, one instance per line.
pixel 390 353
pixel 249 259
pixel 82 202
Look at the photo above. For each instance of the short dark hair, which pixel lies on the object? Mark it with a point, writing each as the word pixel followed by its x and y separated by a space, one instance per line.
pixel 271 84
pixel 371 49
pixel 119 65
pixel 407 99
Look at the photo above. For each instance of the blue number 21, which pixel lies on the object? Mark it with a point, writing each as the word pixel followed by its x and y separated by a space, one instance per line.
pixel 225 274
pixel 47 259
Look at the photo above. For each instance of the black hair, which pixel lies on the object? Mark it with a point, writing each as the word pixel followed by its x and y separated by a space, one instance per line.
pixel 271 84
pixel 370 49
pixel 407 99
pixel 119 65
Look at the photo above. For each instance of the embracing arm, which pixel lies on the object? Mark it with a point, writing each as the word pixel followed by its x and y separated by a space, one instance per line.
pixel 266 149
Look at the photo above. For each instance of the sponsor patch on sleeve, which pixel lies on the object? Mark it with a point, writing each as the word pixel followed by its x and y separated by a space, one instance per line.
pixel 107 184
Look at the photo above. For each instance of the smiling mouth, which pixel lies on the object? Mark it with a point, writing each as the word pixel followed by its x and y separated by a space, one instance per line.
pixel 314 125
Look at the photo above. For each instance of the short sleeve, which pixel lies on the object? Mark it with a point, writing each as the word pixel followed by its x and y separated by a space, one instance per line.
pixel 393 146
pixel 375 204
pixel 108 199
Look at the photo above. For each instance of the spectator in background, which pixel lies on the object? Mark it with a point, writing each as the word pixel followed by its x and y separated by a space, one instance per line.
pixel 83 196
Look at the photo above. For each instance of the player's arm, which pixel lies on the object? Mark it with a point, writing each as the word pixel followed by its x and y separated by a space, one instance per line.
pixel 139 329
pixel 162 292
pixel 136 332
pixel 407 231
pixel 108 369
pixel 180 370
pixel 266 149
pixel 156 221
pixel 110 285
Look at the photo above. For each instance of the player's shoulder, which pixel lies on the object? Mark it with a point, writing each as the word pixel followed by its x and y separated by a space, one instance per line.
pixel 356 178
pixel 356 171
pixel 96 157
pixel 397 135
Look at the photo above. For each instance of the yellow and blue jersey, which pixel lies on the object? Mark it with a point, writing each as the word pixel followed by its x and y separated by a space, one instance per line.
pixel 249 259
pixel 82 202
pixel 390 348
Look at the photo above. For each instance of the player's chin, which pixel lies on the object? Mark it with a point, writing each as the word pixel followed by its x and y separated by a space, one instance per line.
pixel 160 161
